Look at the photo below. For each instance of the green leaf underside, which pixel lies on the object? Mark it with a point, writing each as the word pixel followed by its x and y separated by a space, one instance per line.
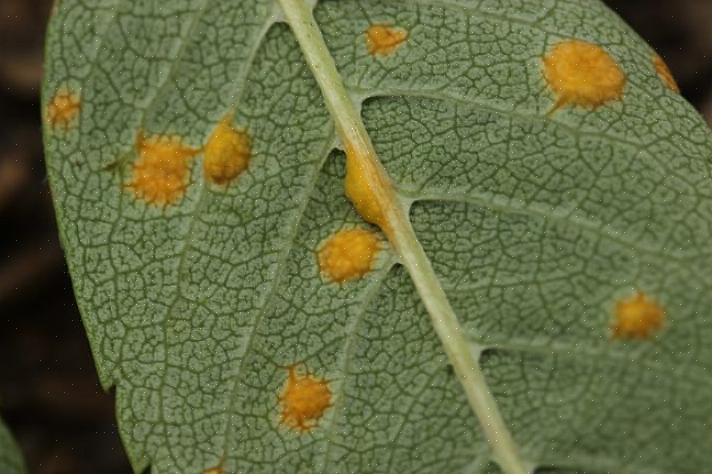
pixel 10 457
pixel 534 224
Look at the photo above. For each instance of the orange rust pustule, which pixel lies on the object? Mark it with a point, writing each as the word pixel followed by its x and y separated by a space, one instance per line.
pixel 582 74
pixel 63 110
pixel 637 317
pixel 359 186
pixel 161 174
pixel 384 40
pixel 304 400
pixel 665 74
pixel 227 153
pixel 348 254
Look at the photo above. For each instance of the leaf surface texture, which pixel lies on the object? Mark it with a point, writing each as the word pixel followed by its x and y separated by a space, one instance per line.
pixel 536 224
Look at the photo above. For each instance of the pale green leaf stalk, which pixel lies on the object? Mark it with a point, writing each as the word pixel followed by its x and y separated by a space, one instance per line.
pixel 539 300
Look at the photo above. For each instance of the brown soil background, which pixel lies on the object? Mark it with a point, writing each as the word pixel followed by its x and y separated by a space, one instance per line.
pixel 49 391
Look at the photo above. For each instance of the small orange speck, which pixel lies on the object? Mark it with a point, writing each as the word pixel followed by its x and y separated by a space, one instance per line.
pixel 162 171
pixel 582 74
pixel 214 470
pixel 348 254
pixel 63 109
pixel 665 74
pixel 384 39
pixel 227 153
pixel 637 317
pixel 304 400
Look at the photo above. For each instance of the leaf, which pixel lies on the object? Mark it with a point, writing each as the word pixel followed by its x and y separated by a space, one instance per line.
pixel 10 458
pixel 568 225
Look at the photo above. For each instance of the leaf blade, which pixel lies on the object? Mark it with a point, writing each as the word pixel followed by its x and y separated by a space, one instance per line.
pixel 161 427
pixel 11 460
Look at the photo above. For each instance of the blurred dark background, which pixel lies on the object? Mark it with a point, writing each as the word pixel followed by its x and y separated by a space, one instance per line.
pixel 49 391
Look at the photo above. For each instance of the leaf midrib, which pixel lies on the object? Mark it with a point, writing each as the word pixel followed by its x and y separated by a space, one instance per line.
pixel 394 221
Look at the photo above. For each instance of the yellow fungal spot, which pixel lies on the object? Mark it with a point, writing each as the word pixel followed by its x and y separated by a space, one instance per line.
pixel 63 109
pixel 384 40
pixel 582 74
pixel 358 187
pixel 227 153
pixel 304 400
pixel 665 74
pixel 162 171
pixel 348 254
pixel 214 470
pixel 637 317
